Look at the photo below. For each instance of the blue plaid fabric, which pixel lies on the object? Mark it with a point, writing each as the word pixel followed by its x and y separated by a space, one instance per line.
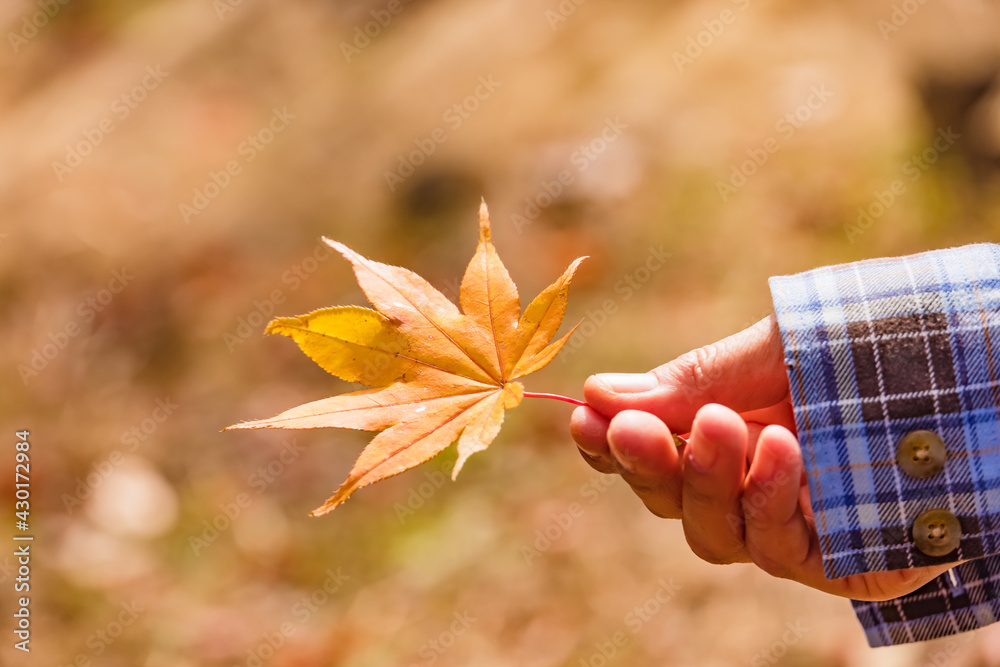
pixel 875 350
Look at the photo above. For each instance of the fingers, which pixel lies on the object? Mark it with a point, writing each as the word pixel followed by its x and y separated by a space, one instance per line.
pixel 646 457
pixel 714 468
pixel 640 447
pixel 745 371
pixel 778 537
pixel 711 496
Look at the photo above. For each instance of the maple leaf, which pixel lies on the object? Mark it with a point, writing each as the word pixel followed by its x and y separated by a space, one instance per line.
pixel 438 374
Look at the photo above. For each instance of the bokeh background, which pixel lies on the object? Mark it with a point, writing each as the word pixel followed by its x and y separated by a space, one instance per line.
pixel 136 275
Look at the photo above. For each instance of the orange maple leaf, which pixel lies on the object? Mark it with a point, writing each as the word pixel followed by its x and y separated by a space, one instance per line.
pixel 441 375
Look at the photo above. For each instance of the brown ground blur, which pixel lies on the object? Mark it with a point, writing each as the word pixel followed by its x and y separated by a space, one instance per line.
pixel 176 333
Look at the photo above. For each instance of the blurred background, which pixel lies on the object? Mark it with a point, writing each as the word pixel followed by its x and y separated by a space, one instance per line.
pixel 167 168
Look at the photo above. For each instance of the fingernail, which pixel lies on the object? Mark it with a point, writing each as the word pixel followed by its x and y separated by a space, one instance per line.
pixel 620 457
pixel 628 383
pixel 763 469
pixel 624 464
pixel 702 454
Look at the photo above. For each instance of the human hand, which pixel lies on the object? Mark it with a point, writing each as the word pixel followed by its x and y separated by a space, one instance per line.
pixel 738 485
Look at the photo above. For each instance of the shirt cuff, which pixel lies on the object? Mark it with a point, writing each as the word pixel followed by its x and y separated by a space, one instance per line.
pixel 894 371
pixel 962 599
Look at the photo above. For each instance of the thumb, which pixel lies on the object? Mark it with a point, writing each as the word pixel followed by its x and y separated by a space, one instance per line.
pixel 745 371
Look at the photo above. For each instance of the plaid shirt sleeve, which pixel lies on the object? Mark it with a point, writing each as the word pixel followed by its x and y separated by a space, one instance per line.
pixel 875 350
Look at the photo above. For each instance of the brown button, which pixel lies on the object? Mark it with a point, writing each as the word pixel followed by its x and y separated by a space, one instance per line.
pixel 937 532
pixel 921 454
